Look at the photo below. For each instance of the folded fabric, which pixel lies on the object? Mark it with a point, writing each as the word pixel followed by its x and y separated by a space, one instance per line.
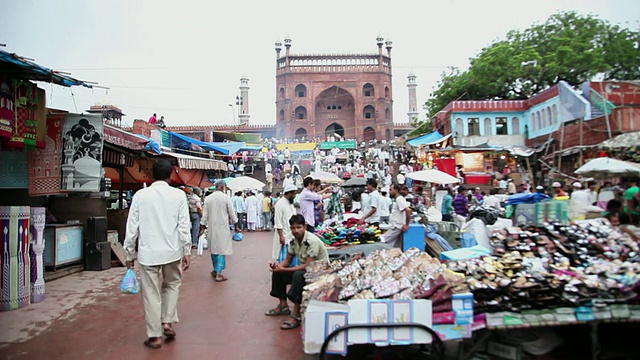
pixel 465 253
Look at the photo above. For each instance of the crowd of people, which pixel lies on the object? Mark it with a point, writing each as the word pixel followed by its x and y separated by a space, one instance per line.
pixel 167 227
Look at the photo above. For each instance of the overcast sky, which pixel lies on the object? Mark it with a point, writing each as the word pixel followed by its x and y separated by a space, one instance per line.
pixel 184 59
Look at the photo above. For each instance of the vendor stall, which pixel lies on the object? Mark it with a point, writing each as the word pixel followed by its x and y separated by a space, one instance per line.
pixel 550 274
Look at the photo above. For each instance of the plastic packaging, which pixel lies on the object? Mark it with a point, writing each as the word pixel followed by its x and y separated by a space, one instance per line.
pixel 130 284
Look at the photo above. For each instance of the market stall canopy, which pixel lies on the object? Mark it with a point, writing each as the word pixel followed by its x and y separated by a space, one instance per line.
pixel 297 147
pixel 251 148
pixel 185 142
pixel 428 139
pixel 198 163
pixel 355 182
pixel 23 68
pixel 328 145
pixel 125 139
pixel 325 177
pixel 245 182
pixel 243 137
pixel 519 150
pixel 606 167
pixel 628 140
pixel 434 176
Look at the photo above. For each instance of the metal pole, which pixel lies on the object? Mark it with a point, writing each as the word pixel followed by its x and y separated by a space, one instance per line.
pixel 234 117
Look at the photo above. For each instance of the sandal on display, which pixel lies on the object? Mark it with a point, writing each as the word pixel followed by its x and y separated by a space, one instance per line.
pixel 279 310
pixel 291 324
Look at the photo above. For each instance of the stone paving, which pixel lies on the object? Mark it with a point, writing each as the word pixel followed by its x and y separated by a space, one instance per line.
pixel 85 316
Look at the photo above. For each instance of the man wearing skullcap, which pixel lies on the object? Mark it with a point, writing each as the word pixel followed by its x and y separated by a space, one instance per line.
pixel 217 216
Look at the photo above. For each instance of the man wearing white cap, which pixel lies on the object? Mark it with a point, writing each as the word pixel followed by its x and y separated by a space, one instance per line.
pixel 579 203
pixel 217 216
pixel 283 211
pixel 558 191
pixel 252 205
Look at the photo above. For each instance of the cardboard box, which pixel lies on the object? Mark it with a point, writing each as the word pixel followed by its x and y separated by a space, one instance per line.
pixel 315 326
pixel 385 311
pixel 463 308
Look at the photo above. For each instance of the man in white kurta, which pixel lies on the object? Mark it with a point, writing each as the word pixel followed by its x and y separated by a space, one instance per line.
pixel 217 217
pixel 260 223
pixel 159 223
pixel 252 205
pixel 283 211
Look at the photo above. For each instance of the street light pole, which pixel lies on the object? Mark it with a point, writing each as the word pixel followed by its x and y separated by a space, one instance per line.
pixel 234 117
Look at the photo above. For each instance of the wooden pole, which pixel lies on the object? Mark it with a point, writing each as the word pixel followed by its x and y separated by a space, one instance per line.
pixel 559 167
pixel 120 186
pixel 533 182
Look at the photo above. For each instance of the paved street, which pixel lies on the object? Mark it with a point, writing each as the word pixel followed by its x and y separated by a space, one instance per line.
pixel 86 316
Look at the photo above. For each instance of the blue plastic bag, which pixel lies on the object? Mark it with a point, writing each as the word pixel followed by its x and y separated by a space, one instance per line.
pixel 130 284
pixel 284 250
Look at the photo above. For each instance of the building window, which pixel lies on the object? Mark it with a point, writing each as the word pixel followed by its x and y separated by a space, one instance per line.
pixel 301 116
pixel 367 90
pixel 301 90
pixel 474 126
pixel 501 126
pixel 369 112
pixel 515 126
pixel 487 127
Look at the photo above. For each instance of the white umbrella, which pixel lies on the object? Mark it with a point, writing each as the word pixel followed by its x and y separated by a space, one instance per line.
pixel 245 182
pixel 604 166
pixel 326 177
pixel 434 176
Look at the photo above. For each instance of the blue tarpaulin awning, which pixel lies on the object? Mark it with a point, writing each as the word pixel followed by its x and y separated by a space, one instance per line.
pixel 152 145
pixel 184 142
pixel 22 68
pixel 428 139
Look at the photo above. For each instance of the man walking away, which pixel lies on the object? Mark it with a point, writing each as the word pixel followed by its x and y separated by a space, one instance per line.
pixel 218 215
pixel 385 206
pixel 267 210
pixel 252 205
pixel 447 206
pixel 195 212
pixel 400 218
pixel 239 208
pixel 308 248
pixel 159 223
pixel 460 207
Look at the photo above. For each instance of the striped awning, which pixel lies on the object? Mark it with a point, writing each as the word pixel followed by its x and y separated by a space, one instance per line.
pixel 193 162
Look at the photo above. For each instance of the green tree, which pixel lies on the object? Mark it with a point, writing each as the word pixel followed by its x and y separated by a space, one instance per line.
pixel 567 46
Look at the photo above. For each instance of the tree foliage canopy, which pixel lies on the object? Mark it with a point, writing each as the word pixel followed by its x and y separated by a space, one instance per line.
pixel 568 46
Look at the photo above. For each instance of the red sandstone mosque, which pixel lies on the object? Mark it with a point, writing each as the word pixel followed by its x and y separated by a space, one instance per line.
pixel 349 96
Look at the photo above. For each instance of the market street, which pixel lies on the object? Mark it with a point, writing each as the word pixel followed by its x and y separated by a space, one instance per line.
pixel 86 316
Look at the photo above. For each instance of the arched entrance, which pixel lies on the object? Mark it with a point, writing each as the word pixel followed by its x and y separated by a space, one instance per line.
pixel 335 106
pixel 334 129
pixel 369 133
pixel 387 134
pixel 301 133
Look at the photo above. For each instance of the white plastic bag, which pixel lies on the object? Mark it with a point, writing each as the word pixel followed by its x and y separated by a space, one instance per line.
pixel 202 244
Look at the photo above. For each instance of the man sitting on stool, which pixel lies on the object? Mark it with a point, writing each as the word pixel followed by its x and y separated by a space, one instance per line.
pixel 308 248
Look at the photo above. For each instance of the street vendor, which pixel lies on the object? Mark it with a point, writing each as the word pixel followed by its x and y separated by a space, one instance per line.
pixel 308 248
pixel 400 218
